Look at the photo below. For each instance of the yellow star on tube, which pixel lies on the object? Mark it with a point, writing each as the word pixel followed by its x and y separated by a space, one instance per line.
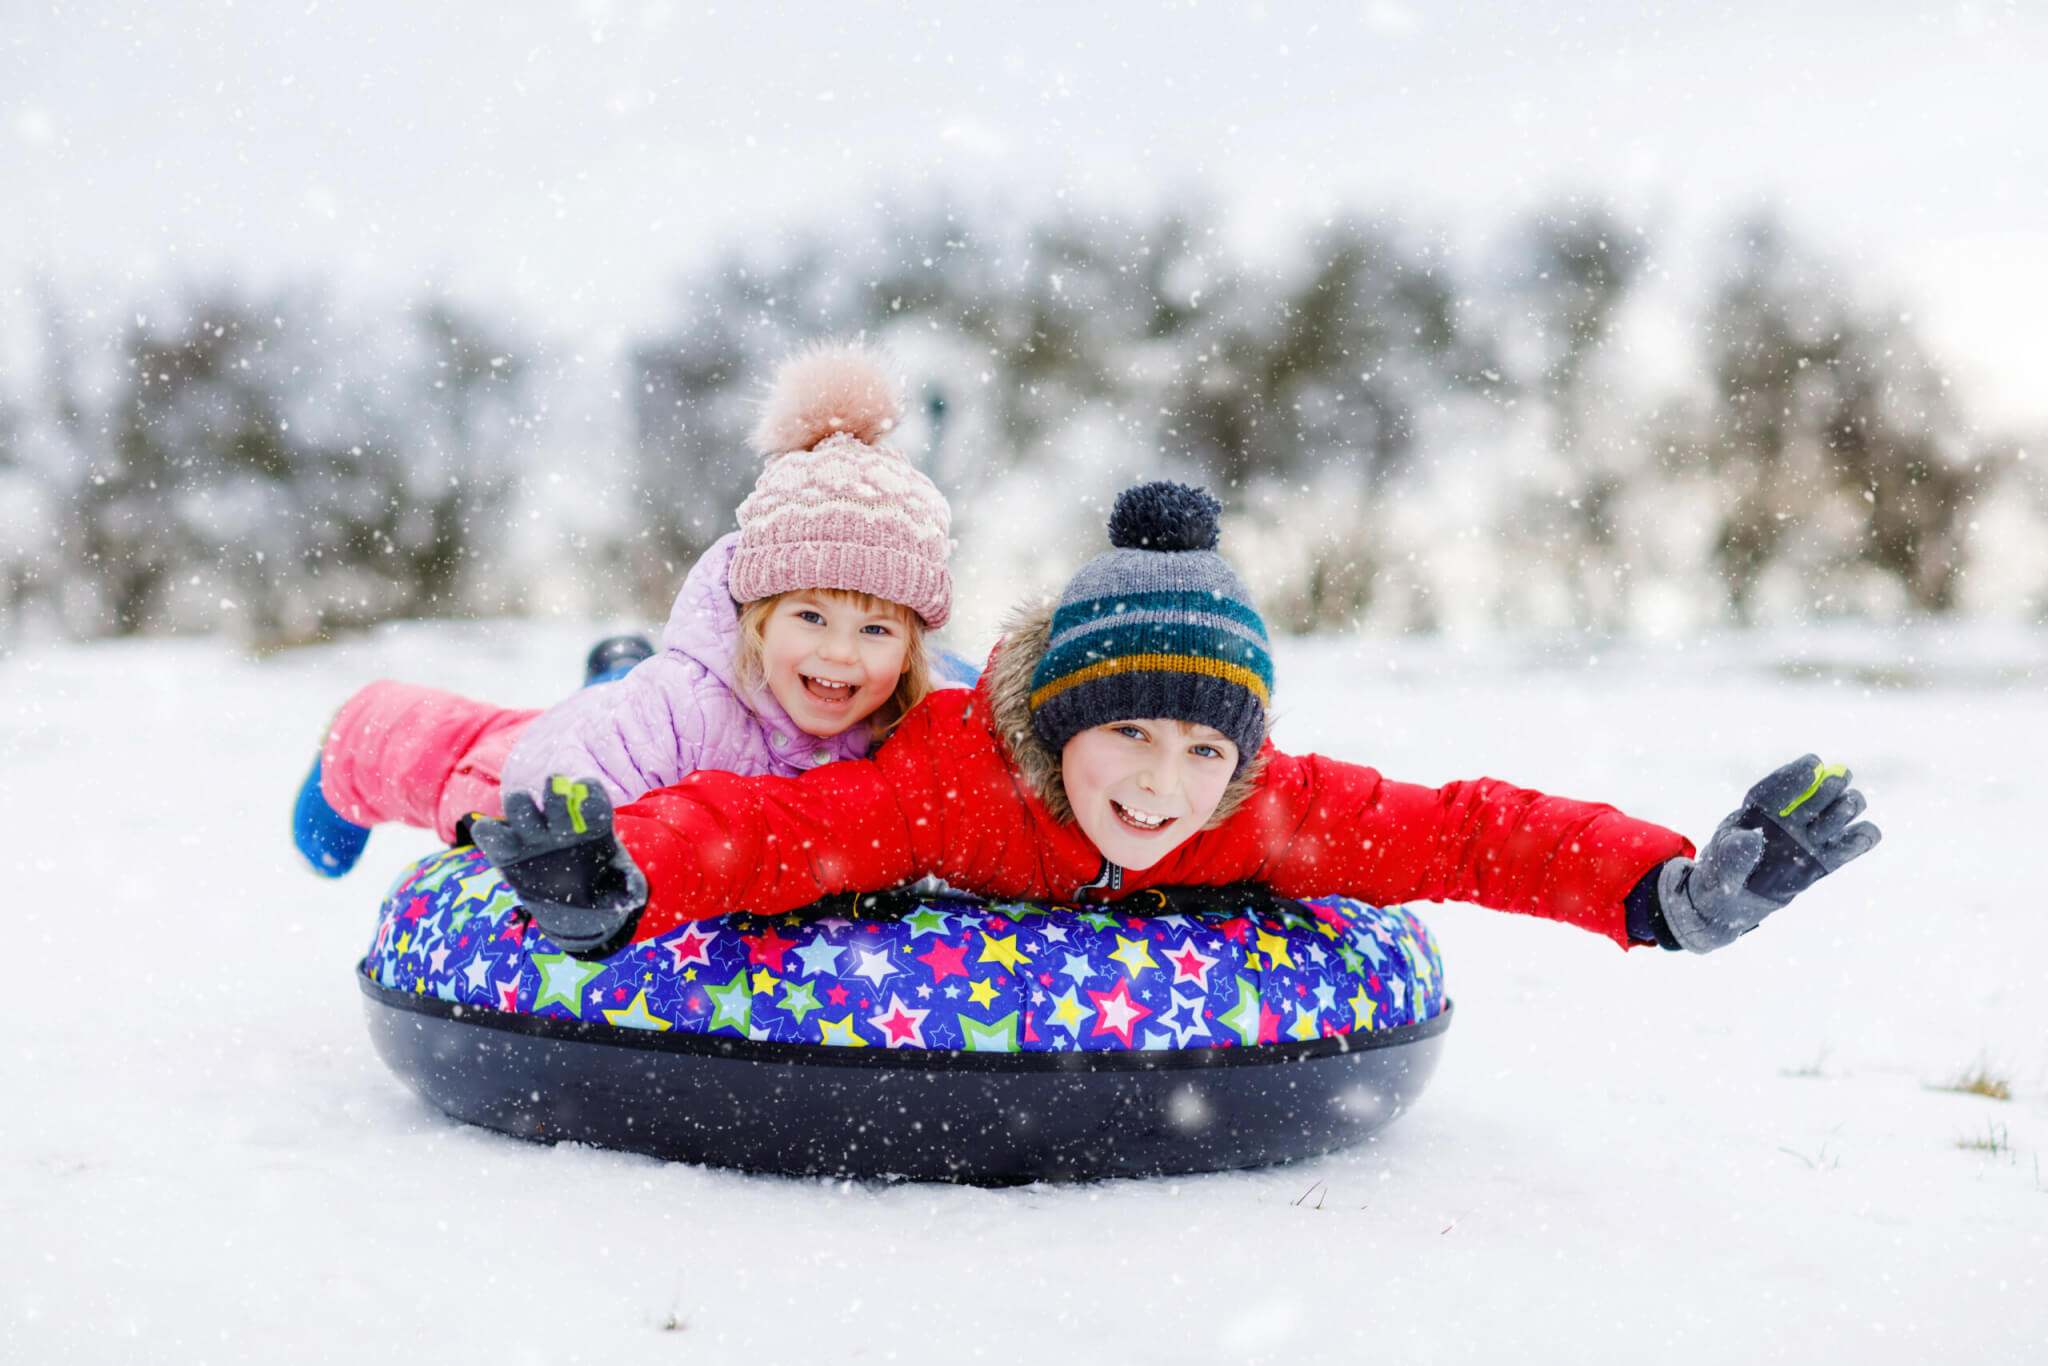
pixel 840 1033
pixel 1068 1012
pixel 480 885
pixel 1004 951
pixel 635 1016
pixel 1134 954
pixel 1275 948
pixel 1362 1007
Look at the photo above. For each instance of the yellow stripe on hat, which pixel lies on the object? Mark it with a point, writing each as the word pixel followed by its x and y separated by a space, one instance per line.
pixel 1123 664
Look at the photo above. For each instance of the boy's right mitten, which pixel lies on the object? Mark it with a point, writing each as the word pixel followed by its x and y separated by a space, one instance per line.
pixel 576 880
pixel 1794 828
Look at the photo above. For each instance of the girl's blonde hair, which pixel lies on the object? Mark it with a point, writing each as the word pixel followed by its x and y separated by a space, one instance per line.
pixel 912 688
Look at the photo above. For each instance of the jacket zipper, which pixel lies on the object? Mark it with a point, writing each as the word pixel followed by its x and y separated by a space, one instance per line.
pixel 1110 879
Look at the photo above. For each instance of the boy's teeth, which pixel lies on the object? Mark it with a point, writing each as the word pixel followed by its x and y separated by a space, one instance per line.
pixel 1142 818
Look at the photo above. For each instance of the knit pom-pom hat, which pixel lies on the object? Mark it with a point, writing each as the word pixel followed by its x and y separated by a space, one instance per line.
pixel 837 507
pixel 1161 626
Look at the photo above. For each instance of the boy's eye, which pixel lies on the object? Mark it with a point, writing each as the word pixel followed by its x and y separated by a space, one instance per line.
pixel 1130 732
pixel 1206 751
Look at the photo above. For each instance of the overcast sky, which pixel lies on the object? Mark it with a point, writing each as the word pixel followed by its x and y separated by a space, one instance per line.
pixel 573 161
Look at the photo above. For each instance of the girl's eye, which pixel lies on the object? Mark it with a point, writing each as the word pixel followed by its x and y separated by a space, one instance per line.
pixel 814 618
pixel 878 628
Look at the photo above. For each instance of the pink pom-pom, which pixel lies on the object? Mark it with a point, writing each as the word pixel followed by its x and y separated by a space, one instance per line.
pixel 827 391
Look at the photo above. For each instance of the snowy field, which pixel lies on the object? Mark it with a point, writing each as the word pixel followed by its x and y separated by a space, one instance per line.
pixel 1641 1157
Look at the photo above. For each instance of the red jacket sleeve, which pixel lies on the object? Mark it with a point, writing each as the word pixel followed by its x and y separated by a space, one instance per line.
pixel 1319 827
pixel 717 842
pixel 935 798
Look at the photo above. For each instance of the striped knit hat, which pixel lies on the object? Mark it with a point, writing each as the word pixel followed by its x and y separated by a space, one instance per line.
pixel 836 508
pixel 1160 626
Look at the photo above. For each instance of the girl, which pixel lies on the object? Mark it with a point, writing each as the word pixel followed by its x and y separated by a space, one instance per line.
pixel 1116 742
pixel 796 641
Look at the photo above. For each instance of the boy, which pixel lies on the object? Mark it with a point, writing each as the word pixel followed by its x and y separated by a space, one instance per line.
pixel 1117 742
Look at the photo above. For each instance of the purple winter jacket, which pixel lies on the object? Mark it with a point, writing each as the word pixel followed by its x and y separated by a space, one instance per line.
pixel 677 712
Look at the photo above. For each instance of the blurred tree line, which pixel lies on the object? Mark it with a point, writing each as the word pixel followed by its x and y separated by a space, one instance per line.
pixel 1401 437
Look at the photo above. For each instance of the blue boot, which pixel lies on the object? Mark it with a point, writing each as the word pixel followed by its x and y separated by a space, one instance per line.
pixel 331 844
pixel 614 657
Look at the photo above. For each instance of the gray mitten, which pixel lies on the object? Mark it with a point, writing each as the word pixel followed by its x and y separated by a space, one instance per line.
pixel 1793 829
pixel 572 874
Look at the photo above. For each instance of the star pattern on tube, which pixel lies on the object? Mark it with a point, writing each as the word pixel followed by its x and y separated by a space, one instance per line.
pixel 952 973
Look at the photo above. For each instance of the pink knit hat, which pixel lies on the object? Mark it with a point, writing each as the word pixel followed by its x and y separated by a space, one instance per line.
pixel 836 508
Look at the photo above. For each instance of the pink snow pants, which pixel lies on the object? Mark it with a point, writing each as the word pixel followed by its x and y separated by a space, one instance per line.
pixel 399 752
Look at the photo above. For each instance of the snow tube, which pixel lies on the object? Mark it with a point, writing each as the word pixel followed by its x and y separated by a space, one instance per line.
pixel 934 1037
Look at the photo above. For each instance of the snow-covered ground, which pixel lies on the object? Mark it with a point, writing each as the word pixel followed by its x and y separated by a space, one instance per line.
pixel 1640 1157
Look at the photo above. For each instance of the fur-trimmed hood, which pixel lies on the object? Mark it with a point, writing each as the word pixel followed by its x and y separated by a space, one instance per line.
pixel 1007 686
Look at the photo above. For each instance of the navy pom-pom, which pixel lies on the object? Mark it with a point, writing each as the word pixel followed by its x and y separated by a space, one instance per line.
pixel 1164 516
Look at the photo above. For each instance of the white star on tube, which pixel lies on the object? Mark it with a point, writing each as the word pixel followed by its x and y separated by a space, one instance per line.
pixel 874 966
pixel 819 957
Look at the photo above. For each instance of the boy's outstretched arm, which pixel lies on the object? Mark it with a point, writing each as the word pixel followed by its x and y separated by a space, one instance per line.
pixel 1795 827
pixel 1329 827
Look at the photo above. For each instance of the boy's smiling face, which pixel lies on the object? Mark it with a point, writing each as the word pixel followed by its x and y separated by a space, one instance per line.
pixel 1141 789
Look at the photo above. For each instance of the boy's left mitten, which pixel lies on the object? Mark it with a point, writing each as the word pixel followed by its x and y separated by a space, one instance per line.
pixel 576 880
pixel 1794 828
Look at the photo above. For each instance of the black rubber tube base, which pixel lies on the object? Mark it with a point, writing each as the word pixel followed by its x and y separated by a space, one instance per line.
pixel 991 1119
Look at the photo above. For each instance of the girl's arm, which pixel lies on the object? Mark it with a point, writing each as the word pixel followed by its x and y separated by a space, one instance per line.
pixel 641 732
pixel 1328 827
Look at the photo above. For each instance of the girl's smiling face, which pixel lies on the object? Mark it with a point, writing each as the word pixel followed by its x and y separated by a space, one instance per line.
pixel 1141 789
pixel 831 662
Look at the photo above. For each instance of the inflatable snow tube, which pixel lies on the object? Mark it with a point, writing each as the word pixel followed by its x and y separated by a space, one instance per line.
pixel 938 1038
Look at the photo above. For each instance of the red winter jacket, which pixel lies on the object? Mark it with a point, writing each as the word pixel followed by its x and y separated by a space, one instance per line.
pixel 945 797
